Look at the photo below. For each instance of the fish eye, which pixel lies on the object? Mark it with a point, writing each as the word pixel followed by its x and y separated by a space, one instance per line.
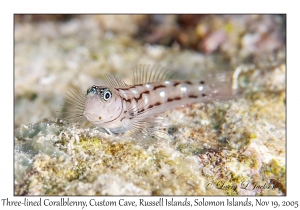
pixel 105 94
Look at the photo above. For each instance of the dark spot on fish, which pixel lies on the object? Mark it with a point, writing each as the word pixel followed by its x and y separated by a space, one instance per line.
pixel 157 104
pixel 177 98
pixel 203 95
pixel 202 82
pixel 125 88
pixel 159 86
pixel 150 106
pixel 141 95
pixel 170 99
pixel 128 100
pixel 141 111
pixel 137 99
pixel 176 83
pixel 188 82
pixel 136 85
pixel 193 96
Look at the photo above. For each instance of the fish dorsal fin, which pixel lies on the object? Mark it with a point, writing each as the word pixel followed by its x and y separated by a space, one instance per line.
pixel 150 73
pixel 115 82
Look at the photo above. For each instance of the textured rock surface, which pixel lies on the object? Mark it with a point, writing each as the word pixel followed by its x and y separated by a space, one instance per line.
pixel 210 149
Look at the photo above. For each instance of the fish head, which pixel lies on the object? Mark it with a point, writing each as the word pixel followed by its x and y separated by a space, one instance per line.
pixel 103 105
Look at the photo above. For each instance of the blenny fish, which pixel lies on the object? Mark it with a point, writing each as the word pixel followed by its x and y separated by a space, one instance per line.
pixel 119 107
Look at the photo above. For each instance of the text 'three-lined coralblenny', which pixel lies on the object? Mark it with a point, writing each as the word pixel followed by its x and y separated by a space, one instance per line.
pixel 120 107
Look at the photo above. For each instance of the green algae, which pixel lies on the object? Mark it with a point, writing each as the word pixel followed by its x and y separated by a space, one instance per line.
pixel 191 149
pixel 275 170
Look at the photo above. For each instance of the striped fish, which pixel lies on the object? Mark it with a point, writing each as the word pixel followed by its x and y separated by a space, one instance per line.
pixel 120 107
